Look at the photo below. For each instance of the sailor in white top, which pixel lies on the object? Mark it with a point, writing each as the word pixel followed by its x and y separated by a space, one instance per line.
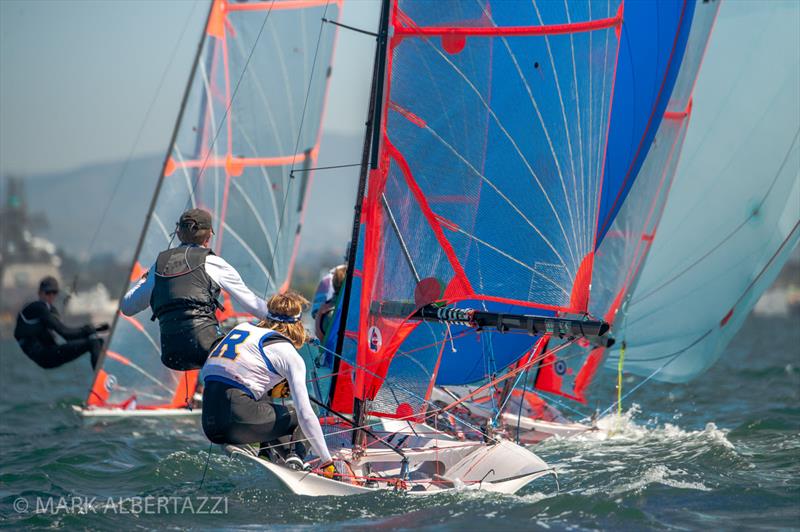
pixel 218 269
pixel 182 287
pixel 241 376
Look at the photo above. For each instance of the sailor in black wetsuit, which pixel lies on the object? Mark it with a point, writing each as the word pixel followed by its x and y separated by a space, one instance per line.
pixel 182 288
pixel 36 324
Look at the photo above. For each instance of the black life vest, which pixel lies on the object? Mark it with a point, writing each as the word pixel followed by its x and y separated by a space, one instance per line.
pixel 183 290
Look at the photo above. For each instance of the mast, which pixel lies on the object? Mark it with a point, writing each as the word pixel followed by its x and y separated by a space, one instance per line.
pixel 154 199
pixel 368 159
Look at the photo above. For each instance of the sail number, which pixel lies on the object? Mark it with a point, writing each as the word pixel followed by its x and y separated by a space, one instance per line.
pixel 229 346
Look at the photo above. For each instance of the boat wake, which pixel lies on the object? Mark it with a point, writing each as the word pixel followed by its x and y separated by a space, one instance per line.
pixel 627 456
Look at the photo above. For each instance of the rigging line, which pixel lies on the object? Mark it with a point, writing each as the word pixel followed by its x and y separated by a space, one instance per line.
pixel 757 277
pixel 521 400
pixel 398 234
pixel 308 89
pixel 300 128
pixel 753 213
pixel 656 372
pixel 186 177
pixel 167 68
pixel 225 115
pixel 300 170
pixel 144 373
pixel 341 416
pixel 352 28
pixel 205 469
pixel 259 88
pixel 505 401
pixel 620 364
pixel 267 186
pixel 437 409
pixel 550 397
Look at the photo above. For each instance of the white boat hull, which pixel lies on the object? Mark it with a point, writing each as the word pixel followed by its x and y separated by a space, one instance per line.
pixel 536 430
pixel 503 467
pixel 114 413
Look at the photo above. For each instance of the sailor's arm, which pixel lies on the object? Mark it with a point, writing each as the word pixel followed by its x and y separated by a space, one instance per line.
pixel 138 298
pixel 229 280
pixel 294 369
pixel 53 322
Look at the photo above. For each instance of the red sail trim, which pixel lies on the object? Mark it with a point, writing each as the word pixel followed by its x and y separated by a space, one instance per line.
pixel 586 373
pixel 237 163
pixel 278 5
pixel 505 31
pixel 679 115
pixel 547 380
pixel 579 297
pixel 607 221
pixel 216 19
pixel 137 272
pixel 433 375
pixel 517 302
pixel 133 321
pixel 408 115
pixel 342 399
pixel 372 238
pixel 434 224
pixel 229 154
pixel 184 391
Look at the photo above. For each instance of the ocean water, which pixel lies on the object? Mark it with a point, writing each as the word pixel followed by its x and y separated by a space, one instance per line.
pixel 720 453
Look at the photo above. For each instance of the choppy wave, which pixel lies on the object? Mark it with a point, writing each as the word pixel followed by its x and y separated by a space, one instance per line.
pixel 720 453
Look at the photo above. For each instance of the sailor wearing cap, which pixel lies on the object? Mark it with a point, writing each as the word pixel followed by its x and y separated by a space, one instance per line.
pixel 37 322
pixel 183 287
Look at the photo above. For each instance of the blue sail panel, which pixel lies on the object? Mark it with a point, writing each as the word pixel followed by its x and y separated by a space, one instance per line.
pixel 654 36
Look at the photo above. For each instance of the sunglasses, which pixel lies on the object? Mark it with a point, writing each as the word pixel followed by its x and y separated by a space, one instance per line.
pixel 50 292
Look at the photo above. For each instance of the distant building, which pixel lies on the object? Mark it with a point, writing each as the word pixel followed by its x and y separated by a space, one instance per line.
pixel 24 258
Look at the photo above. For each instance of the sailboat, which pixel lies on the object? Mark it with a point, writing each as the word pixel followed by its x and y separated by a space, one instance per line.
pixel 244 146
pixel 476 229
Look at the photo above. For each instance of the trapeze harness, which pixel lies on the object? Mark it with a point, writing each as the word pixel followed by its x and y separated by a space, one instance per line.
pixel 184 300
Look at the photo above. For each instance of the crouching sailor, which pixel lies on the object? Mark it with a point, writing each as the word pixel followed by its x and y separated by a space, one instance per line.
pixel 248 368
pixel 36 324
pixel 183 287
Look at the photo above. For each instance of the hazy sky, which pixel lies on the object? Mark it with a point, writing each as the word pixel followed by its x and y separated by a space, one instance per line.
pixel 77 78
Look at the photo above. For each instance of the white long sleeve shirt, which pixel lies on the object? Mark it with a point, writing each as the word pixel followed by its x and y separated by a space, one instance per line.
pixel 241 360
pixel 138 298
